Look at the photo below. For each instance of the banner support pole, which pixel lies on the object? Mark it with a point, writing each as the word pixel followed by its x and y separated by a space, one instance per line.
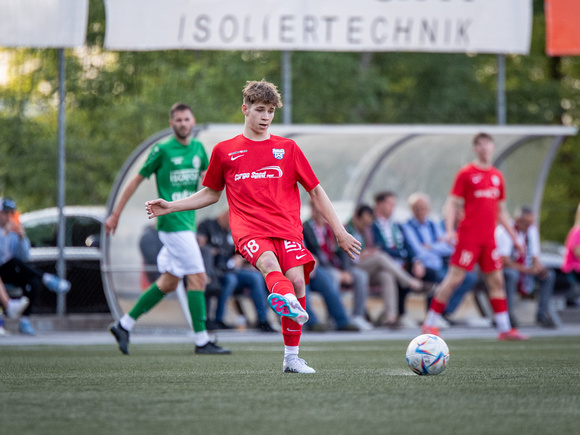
pixel 501 97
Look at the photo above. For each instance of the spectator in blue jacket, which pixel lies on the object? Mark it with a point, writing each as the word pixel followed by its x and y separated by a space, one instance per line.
pixel 429 252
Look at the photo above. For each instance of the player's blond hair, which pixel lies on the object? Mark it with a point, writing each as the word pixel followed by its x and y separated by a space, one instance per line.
pixel 263 92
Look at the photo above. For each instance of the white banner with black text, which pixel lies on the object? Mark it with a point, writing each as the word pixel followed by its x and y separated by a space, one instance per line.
pixel 473 26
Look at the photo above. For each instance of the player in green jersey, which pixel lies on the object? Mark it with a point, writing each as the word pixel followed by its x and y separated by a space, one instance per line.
pixel 177 163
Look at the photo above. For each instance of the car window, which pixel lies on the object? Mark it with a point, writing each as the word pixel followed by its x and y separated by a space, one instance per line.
pixel 42 232
pixel 83 230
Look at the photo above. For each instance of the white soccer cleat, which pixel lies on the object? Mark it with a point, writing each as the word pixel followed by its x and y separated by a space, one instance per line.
pixel 16 307
pixel 293 364
pixel 287 305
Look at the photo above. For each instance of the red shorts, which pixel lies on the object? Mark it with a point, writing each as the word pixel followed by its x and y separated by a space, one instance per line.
pixel 289 254
pixel 467 254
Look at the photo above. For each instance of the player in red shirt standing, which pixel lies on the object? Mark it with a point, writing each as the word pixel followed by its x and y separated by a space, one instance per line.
pixel 261 172
pixel 479 189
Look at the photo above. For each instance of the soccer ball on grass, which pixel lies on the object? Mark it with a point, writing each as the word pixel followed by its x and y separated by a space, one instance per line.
pixel 427 355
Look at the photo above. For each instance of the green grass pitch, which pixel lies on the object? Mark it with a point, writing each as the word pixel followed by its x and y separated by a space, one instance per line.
pixel 362 387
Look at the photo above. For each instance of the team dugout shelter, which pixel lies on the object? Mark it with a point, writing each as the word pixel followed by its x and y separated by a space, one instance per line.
pixel 353 163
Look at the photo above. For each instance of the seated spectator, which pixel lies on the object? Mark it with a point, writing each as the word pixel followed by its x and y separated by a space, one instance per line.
pixel 571 260
pixel 335 265
pixel 386 232
pixel 429 252
pixel 233 272
pixel 522 272
pixel 14 252
pixel 383 270
pixel 322 282
pixel 150 244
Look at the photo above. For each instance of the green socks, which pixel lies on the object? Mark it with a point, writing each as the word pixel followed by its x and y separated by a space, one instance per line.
pixel 196 301
pixel 152 296
pixel 146 301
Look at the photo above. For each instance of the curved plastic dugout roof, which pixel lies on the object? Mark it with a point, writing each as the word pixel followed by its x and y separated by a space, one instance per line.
pixel 353 162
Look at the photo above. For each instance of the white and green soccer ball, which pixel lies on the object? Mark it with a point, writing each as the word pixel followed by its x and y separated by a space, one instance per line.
pixel 427 355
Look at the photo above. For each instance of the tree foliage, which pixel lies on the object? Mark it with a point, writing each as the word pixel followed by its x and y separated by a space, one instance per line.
pixel 115 100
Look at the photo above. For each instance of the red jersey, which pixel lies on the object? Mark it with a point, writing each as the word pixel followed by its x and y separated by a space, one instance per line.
pixel 481 190
pixel 261 179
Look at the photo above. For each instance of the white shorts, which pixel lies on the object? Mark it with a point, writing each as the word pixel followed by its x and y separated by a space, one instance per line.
pixel 180 254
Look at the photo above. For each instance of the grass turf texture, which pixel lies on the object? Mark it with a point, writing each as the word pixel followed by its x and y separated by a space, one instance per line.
pixel 360 388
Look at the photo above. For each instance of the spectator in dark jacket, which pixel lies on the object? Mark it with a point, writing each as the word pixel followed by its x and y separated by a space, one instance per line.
pixel 320 241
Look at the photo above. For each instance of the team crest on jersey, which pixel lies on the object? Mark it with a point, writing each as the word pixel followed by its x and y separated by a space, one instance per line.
pixel 278 153
pixel 196 162
pixel 495 180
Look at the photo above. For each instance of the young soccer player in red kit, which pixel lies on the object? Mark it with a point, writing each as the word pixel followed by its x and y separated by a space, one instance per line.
pixel 479 189
pixel 261 173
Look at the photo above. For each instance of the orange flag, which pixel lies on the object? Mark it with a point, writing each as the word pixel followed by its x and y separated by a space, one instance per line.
pixel 562 27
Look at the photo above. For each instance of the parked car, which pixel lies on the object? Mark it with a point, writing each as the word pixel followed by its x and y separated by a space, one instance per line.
pixel 82 254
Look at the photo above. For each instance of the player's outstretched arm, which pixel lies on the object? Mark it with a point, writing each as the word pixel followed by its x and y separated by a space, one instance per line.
pixel 345 241
pixel 200 199
pixel 113 220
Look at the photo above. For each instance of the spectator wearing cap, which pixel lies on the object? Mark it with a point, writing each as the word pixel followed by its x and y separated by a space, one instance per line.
pixel 14 251
pixel 18 242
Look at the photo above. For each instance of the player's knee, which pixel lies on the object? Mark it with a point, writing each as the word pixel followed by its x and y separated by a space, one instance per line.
pixel 167 282
pixel 298 282
pixel 495 283
pixel 267 263
pixel 299 285
pixel 196 282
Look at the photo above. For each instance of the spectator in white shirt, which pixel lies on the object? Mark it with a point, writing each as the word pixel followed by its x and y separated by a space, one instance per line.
pixel 522 273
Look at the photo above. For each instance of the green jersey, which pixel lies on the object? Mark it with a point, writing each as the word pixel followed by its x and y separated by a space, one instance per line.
pixel 177 168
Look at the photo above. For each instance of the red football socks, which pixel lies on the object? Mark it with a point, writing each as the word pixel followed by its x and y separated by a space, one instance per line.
pixel 278 283
pixel 498 305
pixel 437 306
pixel 291 331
